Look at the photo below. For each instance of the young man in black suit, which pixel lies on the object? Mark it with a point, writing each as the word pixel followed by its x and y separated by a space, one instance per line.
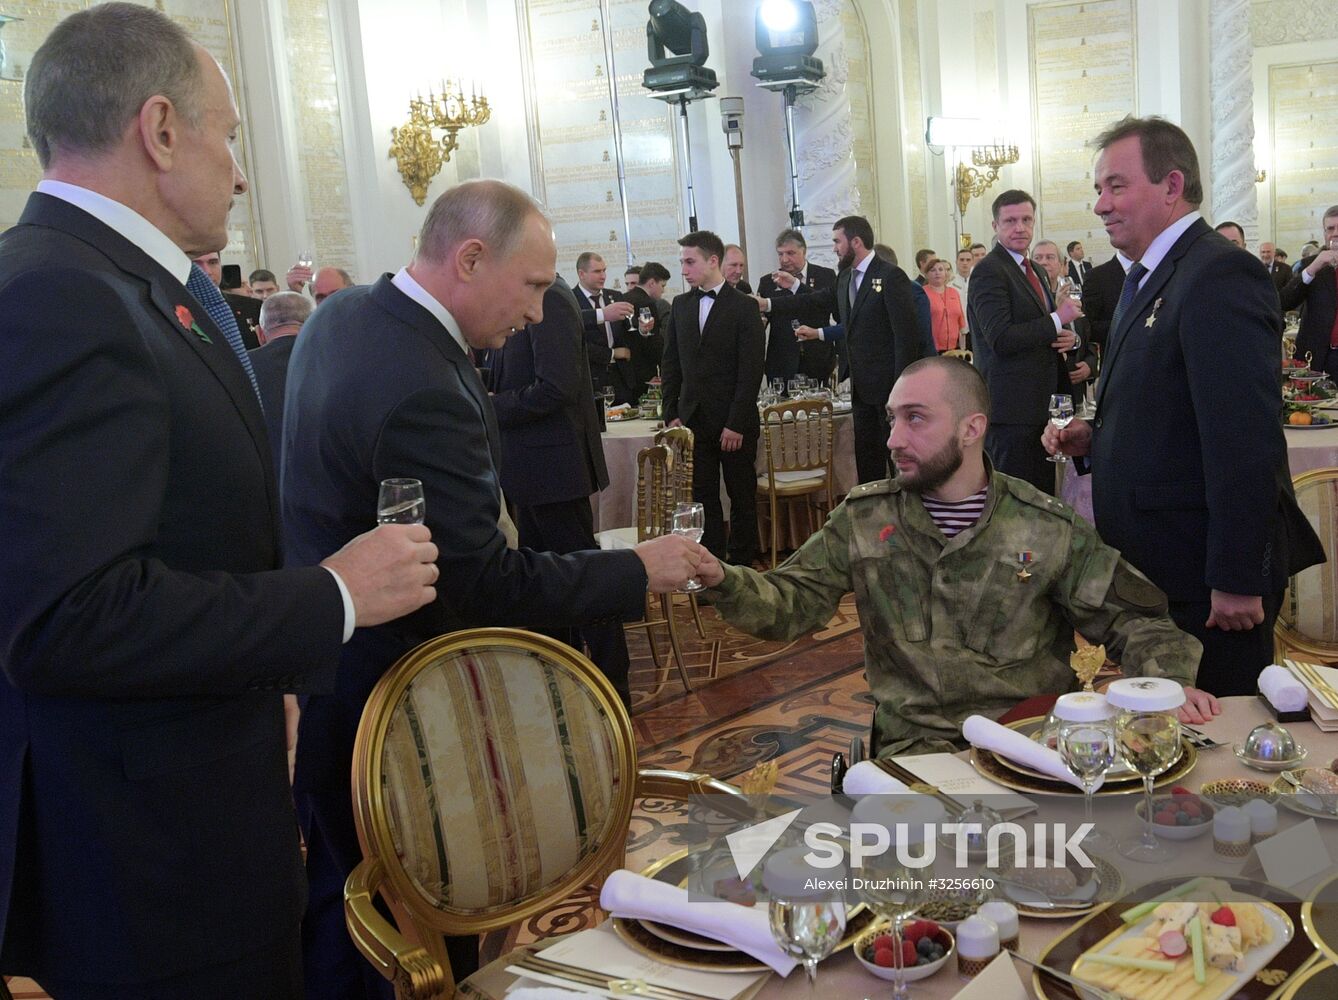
pixel 552 458
pixel 147 842
pixel 408 403
pixel 884 319
pixel 647 345
pixel 1079 267
pixel 787 355
pixel 1315 287
pixel 1019 335
pixel 1189 466
pixel 712 370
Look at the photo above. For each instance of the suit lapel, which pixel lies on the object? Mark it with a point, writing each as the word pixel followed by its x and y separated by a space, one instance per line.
pixel 863 292
pixel 1028 268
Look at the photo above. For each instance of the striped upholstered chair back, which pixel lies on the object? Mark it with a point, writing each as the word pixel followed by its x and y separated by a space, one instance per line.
pixel 494 774
pixel 1307 627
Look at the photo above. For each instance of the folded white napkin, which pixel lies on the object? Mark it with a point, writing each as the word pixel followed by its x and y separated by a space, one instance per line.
pixel 546 993
pixel 989 735
pixel 1283 691
pixel 627 894
pixel 867 778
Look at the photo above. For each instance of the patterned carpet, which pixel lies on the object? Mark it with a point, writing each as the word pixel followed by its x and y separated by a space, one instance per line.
pixel 795 703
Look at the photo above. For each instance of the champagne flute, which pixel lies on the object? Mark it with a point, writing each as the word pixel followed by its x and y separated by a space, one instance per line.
pixel 606 394
pixel 1149 742
pixel 689 520
pixel 1088 750
pixel 645 322
pixel 1061 415
pixel 400 501
pixel 894 892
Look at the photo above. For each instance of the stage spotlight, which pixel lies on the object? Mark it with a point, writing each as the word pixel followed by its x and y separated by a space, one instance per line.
pixel 682 32
pixel 787 37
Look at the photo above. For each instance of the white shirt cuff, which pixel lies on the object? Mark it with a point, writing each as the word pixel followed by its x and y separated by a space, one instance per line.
pixel 1306 277
pixel 350 616
pixel 599 315
pixel 1058 325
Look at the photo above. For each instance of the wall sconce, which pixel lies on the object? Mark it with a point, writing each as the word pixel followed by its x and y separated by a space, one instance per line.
pixel 972 183
pixel 418 154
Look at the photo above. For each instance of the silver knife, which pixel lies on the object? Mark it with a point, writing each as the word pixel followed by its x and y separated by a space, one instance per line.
pixel 1073 981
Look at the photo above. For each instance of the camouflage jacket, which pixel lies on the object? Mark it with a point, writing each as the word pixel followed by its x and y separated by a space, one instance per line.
pixel 955 626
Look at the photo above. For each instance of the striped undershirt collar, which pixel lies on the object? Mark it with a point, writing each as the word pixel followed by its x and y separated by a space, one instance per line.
pixel 952 517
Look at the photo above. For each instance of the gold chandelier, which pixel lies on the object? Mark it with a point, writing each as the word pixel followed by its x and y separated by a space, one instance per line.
pixel 972 183
pixel 418 154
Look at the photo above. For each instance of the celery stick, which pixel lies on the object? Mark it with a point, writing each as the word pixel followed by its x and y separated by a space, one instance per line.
pixel 1121 962
pixel 1136 913
pixel 1195 928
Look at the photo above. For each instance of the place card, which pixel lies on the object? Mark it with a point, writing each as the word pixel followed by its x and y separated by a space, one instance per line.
pixel 1289 858
pixel 997 981
pixel 958 779
pixel 599 950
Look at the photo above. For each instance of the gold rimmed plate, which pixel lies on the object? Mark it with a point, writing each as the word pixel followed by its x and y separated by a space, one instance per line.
pixel 1319 982
pixel 1110 886
pixel 675 946
pixel 1030 728
pixel 989 765
pixel 1319 919
pixel 1288 798
pixel 1291 951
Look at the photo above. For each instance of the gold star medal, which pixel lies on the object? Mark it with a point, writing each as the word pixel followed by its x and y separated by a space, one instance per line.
pixel 1153 318
pixel 1024 559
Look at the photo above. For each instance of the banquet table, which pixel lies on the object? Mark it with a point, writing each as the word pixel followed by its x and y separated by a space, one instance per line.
pixel 615 505
pixel 841 975
pixel 1306 449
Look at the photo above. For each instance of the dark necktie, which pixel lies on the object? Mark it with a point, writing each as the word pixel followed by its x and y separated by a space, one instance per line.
pixel 854 286
pixel 1127 293
pixel 208 295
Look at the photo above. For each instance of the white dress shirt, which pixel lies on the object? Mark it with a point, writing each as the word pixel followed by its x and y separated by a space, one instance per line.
pixel 136 229
pixel 596 298
pixel 405 282
pixel 1019 259
pixel 704 305
pixel 1161 246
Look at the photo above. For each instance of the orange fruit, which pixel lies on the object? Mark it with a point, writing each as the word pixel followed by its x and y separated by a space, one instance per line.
pixel 1299 418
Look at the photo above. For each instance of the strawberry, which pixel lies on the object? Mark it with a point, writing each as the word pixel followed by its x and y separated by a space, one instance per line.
pixel 1223 915
pixel 908 954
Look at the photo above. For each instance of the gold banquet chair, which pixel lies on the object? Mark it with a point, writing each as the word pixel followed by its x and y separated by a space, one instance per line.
pixel 680 442
pixel 1307 625
pixel 494 774
pixel 655 501
pixel 797 437
pixel 964 355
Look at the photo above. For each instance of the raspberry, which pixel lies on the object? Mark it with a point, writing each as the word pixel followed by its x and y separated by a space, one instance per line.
pixel 1181 790
pixel 1192 809
pixel 1165 818
pixel 882 941
pixel 885 958
pixel 909 954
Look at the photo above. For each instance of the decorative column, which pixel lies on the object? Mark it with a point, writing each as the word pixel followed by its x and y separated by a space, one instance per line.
pixel 1233 170
pixel 824 133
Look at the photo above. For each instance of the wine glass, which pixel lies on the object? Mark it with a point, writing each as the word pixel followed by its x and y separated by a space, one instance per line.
pixel 778 388
pixel 400 501
pixel 806 922
pixel 1061 415
pixel 645 321
pixel 606 394
pixel 1149 742
pixel 1088 750
pixel 794 388
pixel 689 520
pixel 795 325
pixel 894 892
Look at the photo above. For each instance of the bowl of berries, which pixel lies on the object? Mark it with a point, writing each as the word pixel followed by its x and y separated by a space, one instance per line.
pixel 1182 815
pixel 925 946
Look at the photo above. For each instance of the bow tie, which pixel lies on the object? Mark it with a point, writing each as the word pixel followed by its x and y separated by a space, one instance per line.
pixel 703 294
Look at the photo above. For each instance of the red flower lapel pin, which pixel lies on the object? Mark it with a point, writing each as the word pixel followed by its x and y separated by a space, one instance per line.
pixel 188 322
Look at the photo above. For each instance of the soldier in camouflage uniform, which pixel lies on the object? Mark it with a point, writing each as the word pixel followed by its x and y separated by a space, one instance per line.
pixel 971 624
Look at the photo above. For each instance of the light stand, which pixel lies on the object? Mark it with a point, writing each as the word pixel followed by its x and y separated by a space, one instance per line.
pixel 731 122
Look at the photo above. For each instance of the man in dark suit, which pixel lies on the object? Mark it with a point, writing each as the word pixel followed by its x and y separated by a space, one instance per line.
pixel 1019 337
pixel 1277 269
pixel 712 370
pixel 647 346
pixel 787 355
pixel 1079 267
pixel 407 402
pixel 1100 294
pixel 552 458
pixel 148 848
pixel 604 315
pixel 244 308
pixel 1079 363
pixel 1189 465
pixel 734 265
pixel 884 321
pixel 1314 290
pixel 281 317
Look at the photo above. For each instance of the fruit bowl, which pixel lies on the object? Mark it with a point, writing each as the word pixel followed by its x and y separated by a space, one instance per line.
pixel 914 973
pixel 1193 816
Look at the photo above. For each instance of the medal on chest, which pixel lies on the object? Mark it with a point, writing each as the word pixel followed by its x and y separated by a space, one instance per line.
pixel 1025 558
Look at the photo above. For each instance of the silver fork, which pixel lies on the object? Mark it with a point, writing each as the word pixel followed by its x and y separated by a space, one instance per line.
pixel 1200 739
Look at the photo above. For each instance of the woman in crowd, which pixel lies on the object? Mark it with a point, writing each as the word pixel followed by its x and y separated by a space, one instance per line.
pixel 947 319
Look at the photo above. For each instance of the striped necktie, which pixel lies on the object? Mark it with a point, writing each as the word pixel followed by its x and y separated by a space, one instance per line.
pixel 208 295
